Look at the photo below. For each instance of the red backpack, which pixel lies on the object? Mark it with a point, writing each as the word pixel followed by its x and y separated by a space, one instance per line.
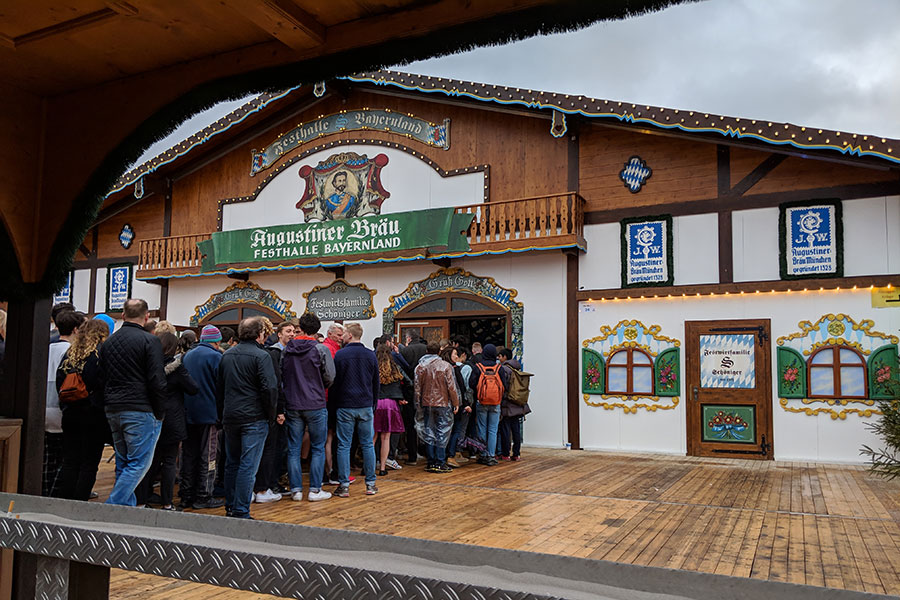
pixel 490 386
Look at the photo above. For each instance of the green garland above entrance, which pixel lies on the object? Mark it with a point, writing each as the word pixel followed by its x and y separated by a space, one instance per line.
pixel 458 280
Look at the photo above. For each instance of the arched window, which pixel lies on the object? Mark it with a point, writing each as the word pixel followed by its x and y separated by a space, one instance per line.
pixel 837 372
pixel 630 372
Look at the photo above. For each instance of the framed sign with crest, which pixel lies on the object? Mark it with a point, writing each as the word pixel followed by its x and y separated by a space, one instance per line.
pixel 647 251
pixel 811 239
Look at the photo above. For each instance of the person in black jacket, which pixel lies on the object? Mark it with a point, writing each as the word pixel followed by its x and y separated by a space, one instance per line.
pixel 266 488
pixel 134 395
pixel 246 395
pixel 174 428
pixel 85 430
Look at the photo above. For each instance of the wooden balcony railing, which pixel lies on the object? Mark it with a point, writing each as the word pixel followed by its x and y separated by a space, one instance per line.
pixel 539 222
pixel 169 256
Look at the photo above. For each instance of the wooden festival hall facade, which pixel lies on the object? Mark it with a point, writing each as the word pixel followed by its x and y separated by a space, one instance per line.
pixel 678 282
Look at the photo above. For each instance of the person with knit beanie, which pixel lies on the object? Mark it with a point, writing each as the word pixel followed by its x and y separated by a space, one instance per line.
pixel 198 451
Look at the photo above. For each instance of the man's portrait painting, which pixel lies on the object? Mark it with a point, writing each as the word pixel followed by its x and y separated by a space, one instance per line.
pixel 343 186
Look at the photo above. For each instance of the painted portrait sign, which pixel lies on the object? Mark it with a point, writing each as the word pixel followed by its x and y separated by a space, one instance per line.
pixel 647 251
pixel 811 240
pixel 343 186
pixel 728 361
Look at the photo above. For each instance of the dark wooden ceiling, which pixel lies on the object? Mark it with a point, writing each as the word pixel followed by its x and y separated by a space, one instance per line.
pixel 87 85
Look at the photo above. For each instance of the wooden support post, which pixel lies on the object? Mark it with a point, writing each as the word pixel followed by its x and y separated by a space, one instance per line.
pixel 726 250
pixel 88 582
pixel 24 397
pixel 25 389
pixel 573 402
pixel 338 271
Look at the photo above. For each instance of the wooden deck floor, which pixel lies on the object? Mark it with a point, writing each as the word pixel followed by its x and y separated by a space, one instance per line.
pixel 824 525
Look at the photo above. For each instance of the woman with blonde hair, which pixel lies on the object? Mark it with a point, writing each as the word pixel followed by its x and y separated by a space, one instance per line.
pixel 84 427
pixel 387 418
pixel 164 327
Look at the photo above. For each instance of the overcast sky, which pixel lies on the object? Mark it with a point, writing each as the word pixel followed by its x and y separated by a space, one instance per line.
pixel 830 64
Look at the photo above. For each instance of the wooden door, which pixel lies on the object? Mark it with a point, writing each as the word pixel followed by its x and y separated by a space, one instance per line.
pixel 433 330
pixel 729 390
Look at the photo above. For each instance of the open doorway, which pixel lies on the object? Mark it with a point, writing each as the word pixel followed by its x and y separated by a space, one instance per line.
pixel 442 316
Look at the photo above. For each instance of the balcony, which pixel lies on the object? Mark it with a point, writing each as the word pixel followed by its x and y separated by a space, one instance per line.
pixel 523 224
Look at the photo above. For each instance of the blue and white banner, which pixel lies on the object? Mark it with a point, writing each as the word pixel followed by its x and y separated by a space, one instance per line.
pixel 65 292
pixel 118 286
pixel 647 252
pixel 728 361
pixel 811 246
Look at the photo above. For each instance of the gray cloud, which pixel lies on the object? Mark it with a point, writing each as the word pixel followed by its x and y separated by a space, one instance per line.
pixel 829 64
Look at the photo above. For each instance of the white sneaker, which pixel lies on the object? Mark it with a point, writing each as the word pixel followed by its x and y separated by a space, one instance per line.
pixel 297 496
pixel 267 496
pixel 320 495
pixel 392 464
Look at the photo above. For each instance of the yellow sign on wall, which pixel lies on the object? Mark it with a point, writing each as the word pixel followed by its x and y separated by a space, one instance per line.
pixel 886 297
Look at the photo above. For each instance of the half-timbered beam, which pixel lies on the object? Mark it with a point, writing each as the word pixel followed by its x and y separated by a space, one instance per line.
pixel 757 174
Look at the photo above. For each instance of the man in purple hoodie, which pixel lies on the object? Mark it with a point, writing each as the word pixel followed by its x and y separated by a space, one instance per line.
pixel 307 369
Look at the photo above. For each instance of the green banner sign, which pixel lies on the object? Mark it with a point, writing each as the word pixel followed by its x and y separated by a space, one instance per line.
pixel 439 228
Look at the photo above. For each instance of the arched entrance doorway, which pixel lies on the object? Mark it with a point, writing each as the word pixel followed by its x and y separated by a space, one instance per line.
pixel 453 313
pixel 230 316
pixel 239 301
pixel 454 301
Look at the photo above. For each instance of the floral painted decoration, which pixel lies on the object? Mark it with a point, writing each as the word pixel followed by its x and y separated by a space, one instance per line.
pixel 728 426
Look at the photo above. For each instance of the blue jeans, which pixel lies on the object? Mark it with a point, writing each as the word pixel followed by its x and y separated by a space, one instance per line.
pixel 459 430
pixel 316 422
pixel 243 448
pixel 488 418
pixel 360 420
pixel 134 435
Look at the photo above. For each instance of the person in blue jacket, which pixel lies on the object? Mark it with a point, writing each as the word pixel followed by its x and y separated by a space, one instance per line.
pixel 355 391
pixel 198 451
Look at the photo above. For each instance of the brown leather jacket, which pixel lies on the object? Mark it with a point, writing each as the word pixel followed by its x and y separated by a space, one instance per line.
pixel 435 383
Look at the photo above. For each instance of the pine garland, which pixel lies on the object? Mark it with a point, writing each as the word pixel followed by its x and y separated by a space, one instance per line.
pixel 500 29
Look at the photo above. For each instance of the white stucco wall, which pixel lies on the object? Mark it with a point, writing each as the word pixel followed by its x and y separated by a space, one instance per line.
pixel 796 436
pixel 695 241
pixel 139 289
pixel 871 245
pixel 412 184
pixel 539 278
pixel 81 290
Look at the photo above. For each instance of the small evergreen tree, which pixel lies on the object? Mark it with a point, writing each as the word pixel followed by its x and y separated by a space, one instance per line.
pixel 886 461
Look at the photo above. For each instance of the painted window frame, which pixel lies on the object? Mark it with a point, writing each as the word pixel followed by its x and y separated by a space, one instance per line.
pixel 836 365
pixel 629 366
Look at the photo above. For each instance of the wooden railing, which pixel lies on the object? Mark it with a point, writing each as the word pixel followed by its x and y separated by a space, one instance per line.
pixel 538 221
pixel 543 221
pixel 173 255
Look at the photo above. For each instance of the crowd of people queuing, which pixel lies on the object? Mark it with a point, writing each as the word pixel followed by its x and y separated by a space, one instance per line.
pixel 233 415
